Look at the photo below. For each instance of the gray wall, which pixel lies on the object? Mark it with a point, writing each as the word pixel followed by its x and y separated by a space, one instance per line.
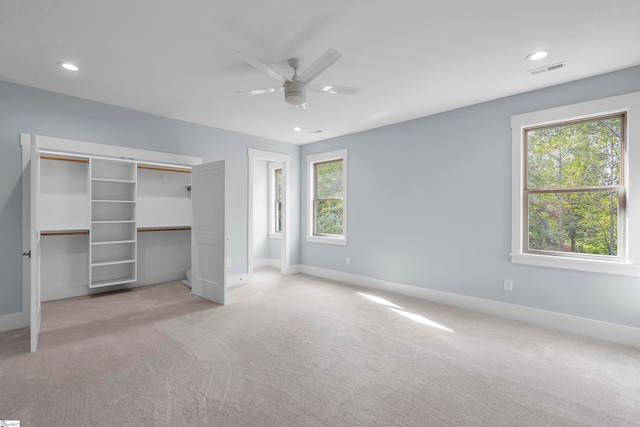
pixel 275 248
pixel 24 109
pixel 430 205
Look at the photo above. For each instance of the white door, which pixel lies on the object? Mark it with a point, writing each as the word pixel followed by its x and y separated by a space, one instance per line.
pixel 208 235
pixel 35 247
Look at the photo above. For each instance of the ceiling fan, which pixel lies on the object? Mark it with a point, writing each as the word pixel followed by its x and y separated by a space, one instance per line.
pixel 295 88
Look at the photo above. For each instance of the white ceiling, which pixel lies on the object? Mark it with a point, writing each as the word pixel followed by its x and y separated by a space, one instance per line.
pixel 411 58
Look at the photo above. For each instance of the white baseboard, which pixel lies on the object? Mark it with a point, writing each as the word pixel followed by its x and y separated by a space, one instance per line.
pixel 294 269
pixel 239 279
pixel 275 263
pixel 621 334
pixel 266 262
pixel 9 322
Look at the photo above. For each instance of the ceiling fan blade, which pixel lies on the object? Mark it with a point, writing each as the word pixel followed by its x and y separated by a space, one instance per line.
pixel 321 64
pixel 342 90
pixel 261 91
pixel 249 59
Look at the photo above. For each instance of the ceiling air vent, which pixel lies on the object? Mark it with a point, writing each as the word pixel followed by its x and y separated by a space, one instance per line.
pixel 551 67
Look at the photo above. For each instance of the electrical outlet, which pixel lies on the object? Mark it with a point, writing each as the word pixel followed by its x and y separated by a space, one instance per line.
pixel 229 263
pixel 348 260
pixel 508 285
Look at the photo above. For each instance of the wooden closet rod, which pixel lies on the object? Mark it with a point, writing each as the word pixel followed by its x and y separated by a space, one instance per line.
pixel 62 233
pixel 151 230
pixel 163 169
pixel 62 159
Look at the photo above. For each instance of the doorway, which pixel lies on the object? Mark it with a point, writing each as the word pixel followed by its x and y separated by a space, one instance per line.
pixel 267 246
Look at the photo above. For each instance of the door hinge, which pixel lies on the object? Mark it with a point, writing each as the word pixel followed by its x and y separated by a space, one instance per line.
pixel 27 254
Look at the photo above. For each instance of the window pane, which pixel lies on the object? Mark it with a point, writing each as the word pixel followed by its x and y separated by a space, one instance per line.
pixel 575 155
pixel 584 223
pixel 329 180
pixel 278 217
pixel 328 217
pixel 278 179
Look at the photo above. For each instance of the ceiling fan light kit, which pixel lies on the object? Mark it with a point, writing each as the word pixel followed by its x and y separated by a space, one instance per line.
pixel 295 92
pixel 295 89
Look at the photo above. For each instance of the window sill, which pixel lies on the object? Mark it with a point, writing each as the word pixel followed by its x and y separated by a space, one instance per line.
pixel 596 266
pixel 275 235
pixel 328 240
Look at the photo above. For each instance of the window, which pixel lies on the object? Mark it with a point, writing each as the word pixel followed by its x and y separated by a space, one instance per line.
pixel 276 225
pixel 573 193
pixel 276 200
pixel 327 198
pixel 328 201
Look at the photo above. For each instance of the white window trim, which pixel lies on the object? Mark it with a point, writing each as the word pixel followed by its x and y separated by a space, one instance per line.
pixel 325 157
pixel 272 195
pixel 630 263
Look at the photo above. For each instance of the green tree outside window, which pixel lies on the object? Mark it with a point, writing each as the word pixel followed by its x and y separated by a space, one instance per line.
pixel 575 186
pixel 328 202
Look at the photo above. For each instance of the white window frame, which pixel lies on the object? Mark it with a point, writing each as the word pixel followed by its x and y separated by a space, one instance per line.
pixel 629 262
pixel 273 166
pixel 311 161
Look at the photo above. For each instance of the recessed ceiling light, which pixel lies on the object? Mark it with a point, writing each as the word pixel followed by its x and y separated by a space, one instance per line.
pixel 68 66
pixel 536 56
pixel 297 129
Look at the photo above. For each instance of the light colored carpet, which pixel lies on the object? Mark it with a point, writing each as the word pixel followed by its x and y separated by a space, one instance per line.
pixel 303 351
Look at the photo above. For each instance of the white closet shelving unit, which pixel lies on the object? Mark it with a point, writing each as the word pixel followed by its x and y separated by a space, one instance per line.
pixel 113 222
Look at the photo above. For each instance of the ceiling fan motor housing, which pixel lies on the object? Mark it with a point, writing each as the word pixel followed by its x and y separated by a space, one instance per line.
pixel 295 92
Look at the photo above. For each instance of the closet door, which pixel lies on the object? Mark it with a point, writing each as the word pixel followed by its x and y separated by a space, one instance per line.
pixel 208 233
pixel 35 246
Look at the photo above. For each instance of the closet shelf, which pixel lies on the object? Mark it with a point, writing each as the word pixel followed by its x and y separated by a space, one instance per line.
pixel 126 181
pixel 114 222
pixel 153 229
pixel 112 201
pixel 113 242
pixel 121 261
pixel 63 232
pixel 65 159
pixel 155 168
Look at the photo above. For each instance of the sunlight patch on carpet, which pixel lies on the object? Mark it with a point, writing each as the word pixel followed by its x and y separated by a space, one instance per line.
pixel 379 300
pixel 421 319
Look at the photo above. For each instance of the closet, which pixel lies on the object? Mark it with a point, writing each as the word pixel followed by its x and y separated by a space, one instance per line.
pixel 105 217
